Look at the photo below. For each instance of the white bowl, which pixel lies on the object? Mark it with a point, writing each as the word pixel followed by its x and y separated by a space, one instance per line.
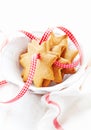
pixel 11 67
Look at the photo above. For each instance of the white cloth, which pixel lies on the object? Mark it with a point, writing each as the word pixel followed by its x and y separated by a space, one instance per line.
pixel 32 112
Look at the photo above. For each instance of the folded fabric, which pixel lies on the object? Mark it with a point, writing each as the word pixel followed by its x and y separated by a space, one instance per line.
pixel 67 109
pixel 33 112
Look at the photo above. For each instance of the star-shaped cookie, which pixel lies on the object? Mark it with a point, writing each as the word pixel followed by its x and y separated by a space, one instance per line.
pixel 70 55
pixel 61 47
pixel 54 40
pixel 58 77
pixel 44 64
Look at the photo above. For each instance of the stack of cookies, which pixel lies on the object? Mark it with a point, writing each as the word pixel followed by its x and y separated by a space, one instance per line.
pixel 56 48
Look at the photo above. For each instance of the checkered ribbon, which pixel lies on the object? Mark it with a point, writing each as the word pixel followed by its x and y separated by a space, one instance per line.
pixel 56 124
pixel 71 37
pixel 30 35
pixel 28 82
pixel 44 38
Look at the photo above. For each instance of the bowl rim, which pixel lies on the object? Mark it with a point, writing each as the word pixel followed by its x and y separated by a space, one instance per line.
pixel 59 86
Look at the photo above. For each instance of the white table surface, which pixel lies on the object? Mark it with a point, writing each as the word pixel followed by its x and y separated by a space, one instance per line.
pixel 38 15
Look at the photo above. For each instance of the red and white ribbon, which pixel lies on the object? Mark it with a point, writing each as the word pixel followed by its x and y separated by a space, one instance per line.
pixel 44 38
pixel 28 82
pixel 30 35
pixel 73 39
pixel 45 35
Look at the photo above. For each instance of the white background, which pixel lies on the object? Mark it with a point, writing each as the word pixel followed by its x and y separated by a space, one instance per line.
pixel 37 14
pixel 41 14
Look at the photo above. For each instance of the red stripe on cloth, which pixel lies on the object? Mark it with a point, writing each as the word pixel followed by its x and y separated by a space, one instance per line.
pixel 3 82
pixel 56 124
pixel 4 44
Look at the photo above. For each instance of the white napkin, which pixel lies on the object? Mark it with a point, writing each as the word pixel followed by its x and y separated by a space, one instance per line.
pixel 32 112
